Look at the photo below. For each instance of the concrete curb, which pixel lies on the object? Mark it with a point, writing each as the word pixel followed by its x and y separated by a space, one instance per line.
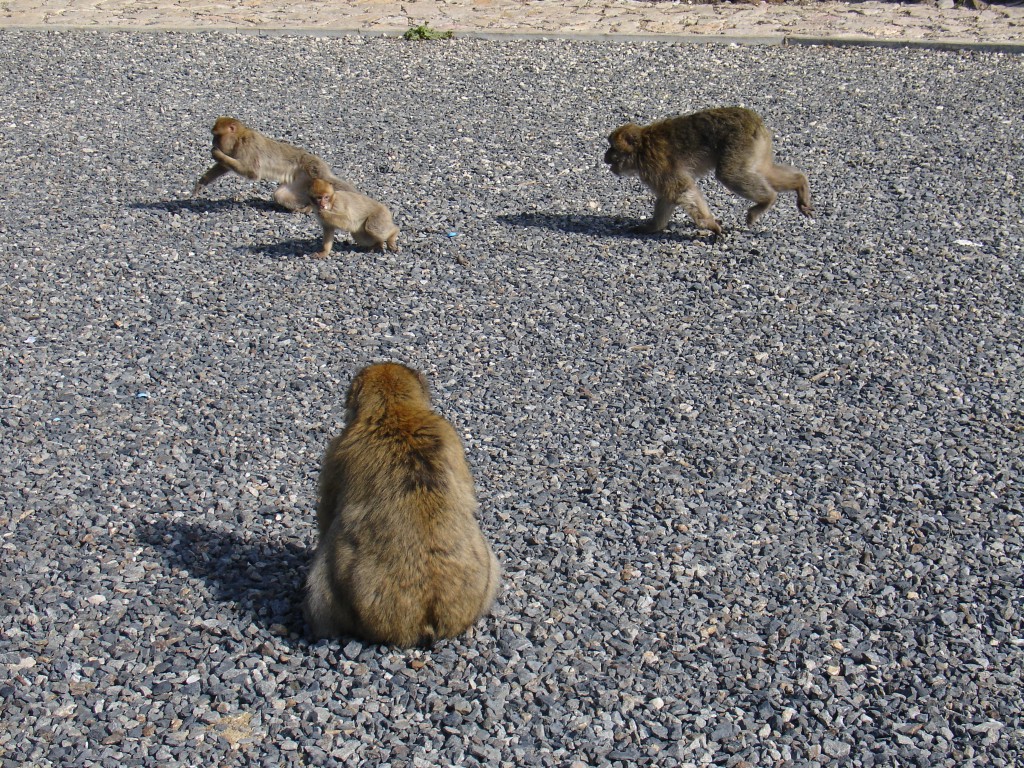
pixel 746 40
pixel 933 45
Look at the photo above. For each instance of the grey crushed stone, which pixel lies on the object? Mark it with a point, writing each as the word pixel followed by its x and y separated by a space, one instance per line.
pixel 758 501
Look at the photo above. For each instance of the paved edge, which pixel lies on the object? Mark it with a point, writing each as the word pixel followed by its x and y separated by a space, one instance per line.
pixel 752 40
pixel 934 45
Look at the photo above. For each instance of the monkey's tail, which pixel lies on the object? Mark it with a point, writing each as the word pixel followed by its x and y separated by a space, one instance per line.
pixel 428 638
pixel 428 635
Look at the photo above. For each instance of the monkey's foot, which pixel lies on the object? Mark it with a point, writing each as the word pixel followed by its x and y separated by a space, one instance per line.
pixel 714 226
pixel 321 254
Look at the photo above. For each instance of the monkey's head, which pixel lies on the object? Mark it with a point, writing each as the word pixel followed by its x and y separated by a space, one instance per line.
pixel 322 193
pixel 621 156
pixel 378 384
pixel 226 131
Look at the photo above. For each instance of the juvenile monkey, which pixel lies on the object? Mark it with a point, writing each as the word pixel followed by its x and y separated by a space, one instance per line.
pixel 670 155
pixel 238 148
pixel 401 559
pixel 368 221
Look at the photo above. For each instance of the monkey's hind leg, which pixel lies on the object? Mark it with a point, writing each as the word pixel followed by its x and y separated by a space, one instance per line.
pixel 493 582
pixel 752 185
pixel 294 197
pixel 327 613
pixel 378 233
pixel 786 178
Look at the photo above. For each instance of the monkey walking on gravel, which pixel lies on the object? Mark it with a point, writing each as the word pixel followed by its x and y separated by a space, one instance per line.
pixel 670 155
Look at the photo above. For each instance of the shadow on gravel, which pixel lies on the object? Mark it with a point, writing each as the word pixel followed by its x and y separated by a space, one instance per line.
pixel 203 205
pixel 591 224
pixel 289 249
pixel 262 578
pixel 307 246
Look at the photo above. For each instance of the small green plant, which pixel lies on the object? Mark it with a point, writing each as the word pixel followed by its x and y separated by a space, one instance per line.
pixel 425 32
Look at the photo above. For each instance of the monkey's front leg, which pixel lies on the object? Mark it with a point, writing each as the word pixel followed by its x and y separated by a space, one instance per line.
pixel 663 210
pixel 211 175
pixel 693 203
pixel 328 242
pixel 240 168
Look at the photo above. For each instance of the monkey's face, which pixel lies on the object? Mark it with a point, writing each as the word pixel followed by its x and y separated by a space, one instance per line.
pixel 322 194
pixel 225 134
pixel 324 201
pixel 224 141
pixel 622 152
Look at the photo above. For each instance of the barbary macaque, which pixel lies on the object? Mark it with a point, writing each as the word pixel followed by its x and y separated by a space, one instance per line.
pixel 670 155
pixel 239 148
pixel 401 559
pixel 368 221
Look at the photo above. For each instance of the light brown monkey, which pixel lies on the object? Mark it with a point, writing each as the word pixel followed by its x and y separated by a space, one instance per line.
pixel 368 221
pixel 238 148
pixel 670 155
pixel 401 559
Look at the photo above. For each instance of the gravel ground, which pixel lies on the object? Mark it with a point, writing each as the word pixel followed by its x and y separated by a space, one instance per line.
pixel 758 501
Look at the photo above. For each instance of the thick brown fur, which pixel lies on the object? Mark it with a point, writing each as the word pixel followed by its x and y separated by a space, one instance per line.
pixel 238 148
pixel 401 559
pixel 670 155
pixel 368 221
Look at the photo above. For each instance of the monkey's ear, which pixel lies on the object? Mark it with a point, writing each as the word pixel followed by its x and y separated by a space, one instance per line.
pixel 626 137
pixel 354 389
pixel 424 385
pixel 224 125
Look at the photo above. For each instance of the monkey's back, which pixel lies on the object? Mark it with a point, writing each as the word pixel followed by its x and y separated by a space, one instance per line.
pixel 289 162
pixel 408 548
pixel 279 161
pixel 716 129
pixel 351 210
pixel 702 140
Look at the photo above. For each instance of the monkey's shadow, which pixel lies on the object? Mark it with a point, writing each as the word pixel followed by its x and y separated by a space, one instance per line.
pixel 287 249
pixel 279 250
pixel 205 205
pixel 593 224
pixel 261 578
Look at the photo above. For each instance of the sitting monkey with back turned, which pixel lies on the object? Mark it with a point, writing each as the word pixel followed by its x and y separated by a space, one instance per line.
pixel 670 155
pixel 401 559
pixel 238 148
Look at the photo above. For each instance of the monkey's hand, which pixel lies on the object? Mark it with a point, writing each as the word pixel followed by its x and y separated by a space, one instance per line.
pixel 648 227
pixel 213 173
pixel 321 254
pixel 806 210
